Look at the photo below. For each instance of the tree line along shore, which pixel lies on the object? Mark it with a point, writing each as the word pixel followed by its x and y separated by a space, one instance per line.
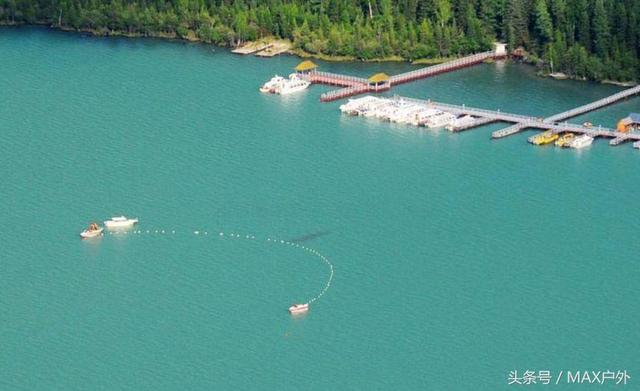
pixel 584 39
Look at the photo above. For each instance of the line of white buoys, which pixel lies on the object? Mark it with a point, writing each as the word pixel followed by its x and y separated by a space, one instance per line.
pixel 297 245
pixel 222 234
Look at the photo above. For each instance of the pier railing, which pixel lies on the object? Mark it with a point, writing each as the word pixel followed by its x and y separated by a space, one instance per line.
pixel 345 92
pixel 357 85
pixel 441 68
pixel 496 115
pixel 335 79
pixel 551 122
pixel 594 105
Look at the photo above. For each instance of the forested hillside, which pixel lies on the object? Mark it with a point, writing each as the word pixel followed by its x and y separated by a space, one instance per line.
pixel 594 39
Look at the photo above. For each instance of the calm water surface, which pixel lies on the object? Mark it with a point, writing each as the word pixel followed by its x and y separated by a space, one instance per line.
pixel 457 258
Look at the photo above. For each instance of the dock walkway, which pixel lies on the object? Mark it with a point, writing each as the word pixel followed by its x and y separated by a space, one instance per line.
pixel 358 85
pixel 551 123
pixel 443 67
pixel 594 105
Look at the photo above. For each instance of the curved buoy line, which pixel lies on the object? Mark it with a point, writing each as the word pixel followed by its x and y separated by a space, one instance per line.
pixel 251 237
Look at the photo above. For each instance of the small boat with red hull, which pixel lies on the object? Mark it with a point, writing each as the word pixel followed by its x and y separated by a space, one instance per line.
pixel 299 308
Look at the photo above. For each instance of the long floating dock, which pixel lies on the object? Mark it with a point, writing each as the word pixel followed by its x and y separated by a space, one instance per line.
pixel 570 113
pixel 550 123
pixel 432 114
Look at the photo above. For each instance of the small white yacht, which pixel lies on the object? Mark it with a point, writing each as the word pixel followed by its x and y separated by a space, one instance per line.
pixel 120 222
pixel 440 120
pixel 92 231
pixel 293 84
pixel 272 84
pixel 392 110
pixel 581 141
pixel 358 105
pixel 404 114
pixel 422 116
pixel 299 308
pixel 460 121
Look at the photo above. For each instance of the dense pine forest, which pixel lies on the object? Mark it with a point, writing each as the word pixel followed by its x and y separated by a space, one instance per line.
pixel 592 39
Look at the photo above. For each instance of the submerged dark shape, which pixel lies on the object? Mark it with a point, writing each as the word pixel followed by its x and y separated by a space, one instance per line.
pixel 308 237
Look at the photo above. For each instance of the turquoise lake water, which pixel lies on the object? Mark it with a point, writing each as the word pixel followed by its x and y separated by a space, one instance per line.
pixel 457 258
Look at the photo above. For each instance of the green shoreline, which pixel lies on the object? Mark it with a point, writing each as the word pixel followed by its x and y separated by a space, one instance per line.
pixel 193 38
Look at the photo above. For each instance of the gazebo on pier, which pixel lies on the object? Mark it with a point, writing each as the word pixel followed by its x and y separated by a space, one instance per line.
pixel 306 67
pixel 379 82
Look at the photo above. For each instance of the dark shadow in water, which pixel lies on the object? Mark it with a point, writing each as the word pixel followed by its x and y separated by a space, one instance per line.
pixel 309 237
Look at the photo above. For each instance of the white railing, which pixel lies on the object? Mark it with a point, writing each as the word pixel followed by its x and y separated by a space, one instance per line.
pixel 594 105
pixel 475 58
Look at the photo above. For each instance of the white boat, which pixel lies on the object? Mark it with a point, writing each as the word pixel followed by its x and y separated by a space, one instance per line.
pixel 460 121
pixel 291 85
pixel 357 103
pixel 92 231
pixel 440 120
pixel 120 222
pixel 390 111
pixel 636 144
pixel 581 141
pixel 421 117
pixel 372 108
pixel 272 84
pixel 405 114
pixel 299 308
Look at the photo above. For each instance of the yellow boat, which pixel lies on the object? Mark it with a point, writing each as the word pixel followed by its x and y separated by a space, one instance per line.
pixel 564 140
pixel 544 138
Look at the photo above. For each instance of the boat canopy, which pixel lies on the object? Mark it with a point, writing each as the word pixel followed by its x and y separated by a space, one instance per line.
pixel 635 118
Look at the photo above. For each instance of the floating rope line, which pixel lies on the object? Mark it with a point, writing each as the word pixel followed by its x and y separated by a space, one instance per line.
pixel 270 240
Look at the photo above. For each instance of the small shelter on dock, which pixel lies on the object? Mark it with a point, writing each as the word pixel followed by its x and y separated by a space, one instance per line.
pixel 628 123
pixel 379 81
pixel 306 67
pixel 500 49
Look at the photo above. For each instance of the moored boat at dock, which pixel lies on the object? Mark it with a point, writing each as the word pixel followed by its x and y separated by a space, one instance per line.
pixel 422 116
pixel 460 122
pixel 272 84
pixel 440 120
pixel 581 141
pixel 291 85
pixel 564 140
pixel 544 138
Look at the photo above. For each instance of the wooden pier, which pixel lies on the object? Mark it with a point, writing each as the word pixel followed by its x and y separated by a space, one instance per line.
pixel 357 85
pixel 444 67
